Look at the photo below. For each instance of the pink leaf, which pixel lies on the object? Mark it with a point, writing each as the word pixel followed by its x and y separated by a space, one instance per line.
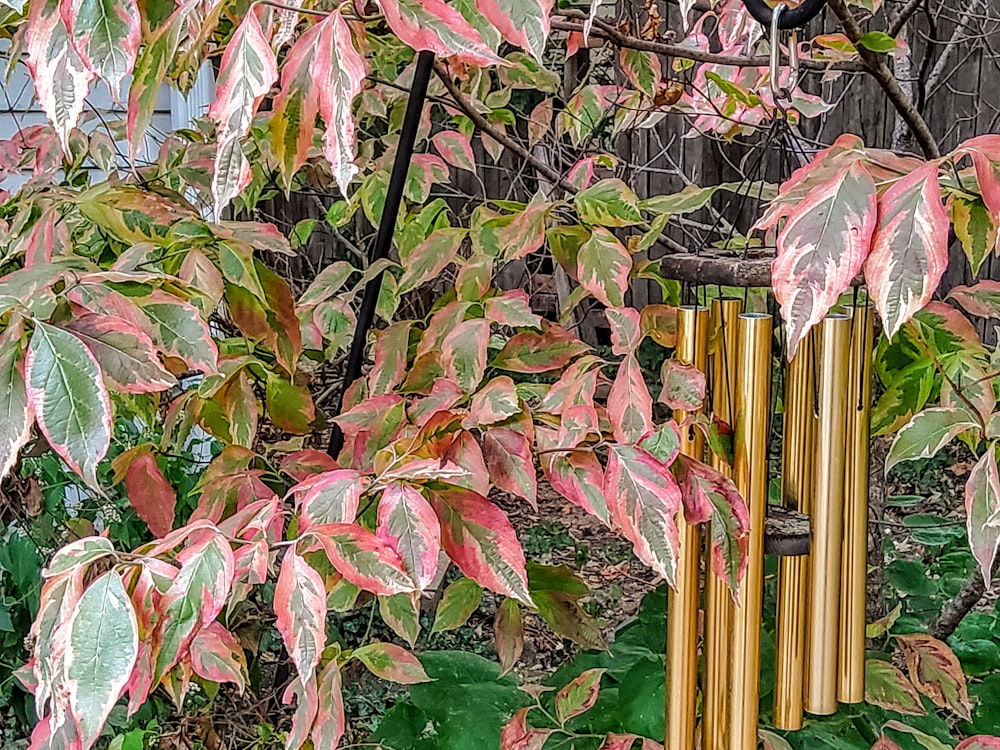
pixel 296 105
pixel 884 743
pixel 307 462
pixel 456 149
pixel 579 477
pixel 683 386
pixel 540 121
pixel 982 510
pixel 217 656
pixel 630 407
pixel 643 498
pixel 512 308
pixel 408 523
pixel 985 153
pixel 625 332
pixel 246 73
pixel 495 402
pixel 517 736
pixel 507 450
pixel 434 26
pixel 363 558
pixel 300 607
pixel 910 249
pixel 332 497
pixel 391 662
pixel 532 353
pixel 61 78
pixel 579 695
pixel 330 719
pixel 151 494
pixel 618 742
pixel 982 298
pixel 480 539
pixel 339 74
pixel 524 23
pixel 821 248
pixel 307 694
pixel 390 358
pixel 125 353
pixel 979 742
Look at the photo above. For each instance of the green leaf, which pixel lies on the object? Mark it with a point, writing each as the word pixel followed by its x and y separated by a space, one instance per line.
pixel 460 600
pixel 976 227
pixel 608 203
pixel 102 651
pixel 877 41
pixel 71 404
pixel 401 613
pixel 887 687
pixel 556 592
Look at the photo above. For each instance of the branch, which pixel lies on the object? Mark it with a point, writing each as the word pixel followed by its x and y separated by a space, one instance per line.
pixel 902 17
pixel 613 35
pixel 502 138
pixel 955 610
pixel 723 270
pixel 950 46
pixel 875 65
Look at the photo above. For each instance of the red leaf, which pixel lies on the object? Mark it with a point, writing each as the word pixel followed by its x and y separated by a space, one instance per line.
pixel 643 499
pixel 363 558
pixel 936 672
pixel 480 539
pixel 408 523
pixel 432 25
pixel 507 450
pixel 305 463
pixel 339 75
pixel 910 249
pixel 391 662
pixel 630 407
pixel 125 353
pixel 293 123
pixel 982 506
pixel 517 736
pixel 821 248
pixel 985 153
pixel 391 348
pixel 300 607
pixel 150 494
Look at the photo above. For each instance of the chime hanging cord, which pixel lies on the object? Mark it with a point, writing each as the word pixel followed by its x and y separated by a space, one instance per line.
pixel 383 238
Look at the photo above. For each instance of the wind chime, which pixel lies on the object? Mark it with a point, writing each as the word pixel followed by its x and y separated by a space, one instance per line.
pixel 818 531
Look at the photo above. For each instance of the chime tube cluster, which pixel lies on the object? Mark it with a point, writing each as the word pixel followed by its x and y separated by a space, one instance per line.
pixel 820 632
pixel 824 471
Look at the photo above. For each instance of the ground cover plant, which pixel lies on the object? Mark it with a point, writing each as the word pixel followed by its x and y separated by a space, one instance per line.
pixel 179 545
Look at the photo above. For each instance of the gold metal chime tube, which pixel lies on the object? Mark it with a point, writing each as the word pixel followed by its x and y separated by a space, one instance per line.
pixel 718 600
pixel 682 604
pixel 750 474
pixel 854 566
pixel 796 494
pixel 823 610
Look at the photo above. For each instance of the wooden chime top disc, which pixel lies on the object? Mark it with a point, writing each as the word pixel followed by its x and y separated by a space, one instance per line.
pixel 787 533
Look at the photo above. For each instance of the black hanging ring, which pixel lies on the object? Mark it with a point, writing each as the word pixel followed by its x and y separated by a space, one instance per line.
pixel 791 18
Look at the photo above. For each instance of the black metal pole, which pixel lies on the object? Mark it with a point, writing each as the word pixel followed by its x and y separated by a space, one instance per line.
pixel 791 18
pixel 386 227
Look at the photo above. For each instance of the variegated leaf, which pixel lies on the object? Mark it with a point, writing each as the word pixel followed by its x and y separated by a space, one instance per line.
pixel 246 73
pixel 106 35
pixel 125 353
pixel 524 23
pixel 391 662
pixel 330 717
pixel 67 394
pixel 630 407
pixel 821 248
pixel 408 523
pixel 293 123
pixel 300 607
pixel 982 511
pixel 61 78
pixel 480 539
pixel 437 27
pixel 603 267
pixel 15 410
pixel 363 558
pixel 643 499
pixel 910 249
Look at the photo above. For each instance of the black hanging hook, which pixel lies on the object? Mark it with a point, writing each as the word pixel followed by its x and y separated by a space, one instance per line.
pixel 791 18
pixel 386 227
